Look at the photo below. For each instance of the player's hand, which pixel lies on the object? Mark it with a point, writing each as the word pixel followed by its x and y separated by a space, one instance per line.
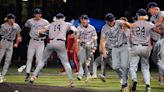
pixel 71 51
pixel 19 39
pixel 15 45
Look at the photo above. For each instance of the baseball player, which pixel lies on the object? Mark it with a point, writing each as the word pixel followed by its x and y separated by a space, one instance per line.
pixel 158 19
pixel 9 31
pixel 57 35
pixel 72 50
pixel 36 44
pixel 118 40
pixel 141 48
pixel 87 38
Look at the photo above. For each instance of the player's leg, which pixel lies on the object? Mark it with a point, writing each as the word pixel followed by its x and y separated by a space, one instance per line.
pixel 82 58
pixel 161 64
pixel 62 54
pixel 9 52
pixel 145 67
pixel 46 54
pixel 30 55
pixel 39 52
pixel 96 63
pixel 116 62
pixel 124 54
pixel 76 61
pixel 134 60
pixel 2 53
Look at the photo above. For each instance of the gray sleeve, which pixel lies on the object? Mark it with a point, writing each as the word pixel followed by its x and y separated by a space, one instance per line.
pixel 154 35
pixel 18 28
pixel 27 24
pixel 161 14
pixel 103 32
pixel 2 30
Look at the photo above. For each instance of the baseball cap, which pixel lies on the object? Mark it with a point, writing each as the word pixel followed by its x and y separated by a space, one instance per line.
pixel 84 16
pixel 59 15
pixel 109 17
pixel 141 12
pixel 151 5
pixel 37 11
pixel 10 16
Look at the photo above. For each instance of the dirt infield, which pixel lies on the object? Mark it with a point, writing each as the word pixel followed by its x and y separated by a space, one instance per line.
pixel 15 87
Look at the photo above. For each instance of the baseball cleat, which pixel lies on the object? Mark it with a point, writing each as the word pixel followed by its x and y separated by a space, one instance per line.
pixel 71 84
pixel 133 88
pixel 1 79
pixel 102 78
pixel 125 89
pixel 33 78
pixel 162 82
pixel 94 76
pixel 20 69
pixel 87 79
pixel 79 78
pixel 27 79
pixel 148 89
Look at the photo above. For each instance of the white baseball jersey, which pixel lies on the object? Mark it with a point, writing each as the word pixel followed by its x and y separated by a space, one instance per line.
pixel 36 26
pixel 9 32
pixel 114 35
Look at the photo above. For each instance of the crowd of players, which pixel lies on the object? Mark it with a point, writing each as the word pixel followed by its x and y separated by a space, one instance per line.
pixel 122 45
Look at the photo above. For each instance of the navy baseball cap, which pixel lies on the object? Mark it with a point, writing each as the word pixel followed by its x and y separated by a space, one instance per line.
pixel 10 16
pixel 59 16
pixel 141 12
pixel 151 5
pixel 84 16
pixel 37 11
pixel 109 17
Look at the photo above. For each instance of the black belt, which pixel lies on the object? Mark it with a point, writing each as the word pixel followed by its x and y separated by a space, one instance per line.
pixel 140 44
pixel 38 39
pixel 121 45
pixel 8 40
pixel 61 40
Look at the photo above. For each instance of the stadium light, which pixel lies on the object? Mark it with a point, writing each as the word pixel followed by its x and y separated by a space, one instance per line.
pixel 25 0
pixel 65 1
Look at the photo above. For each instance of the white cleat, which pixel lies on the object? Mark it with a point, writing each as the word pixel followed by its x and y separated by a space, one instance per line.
pixel 94 76
pixel 148 89
pixel 79 78
pixel 1 78
pixel 20 69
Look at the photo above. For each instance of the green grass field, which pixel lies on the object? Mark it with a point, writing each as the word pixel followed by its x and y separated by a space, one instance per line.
pixel 50 76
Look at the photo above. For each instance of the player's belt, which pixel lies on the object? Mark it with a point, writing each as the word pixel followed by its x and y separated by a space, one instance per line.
pixel 121 45
pixel 8 40
pixel 140 44
pixel 61 40
pixel 38 39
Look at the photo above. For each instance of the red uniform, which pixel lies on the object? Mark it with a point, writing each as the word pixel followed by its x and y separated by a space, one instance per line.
pixel 72 46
